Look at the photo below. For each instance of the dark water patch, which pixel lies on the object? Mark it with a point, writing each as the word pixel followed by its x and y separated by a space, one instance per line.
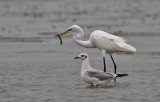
pixel 25 13
pixel 150 55
pixel 122 17
pixel 49 51
pixel 143 71
pixel 57 20
pixel 48 33
pixel 80 12
pixel 31 14
pixel 89 26
pixel 146 34
pixel 156 53
pixel 23 39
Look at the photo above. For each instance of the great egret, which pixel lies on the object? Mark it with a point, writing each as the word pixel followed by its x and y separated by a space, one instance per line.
pixel 106 43
pixel 93 76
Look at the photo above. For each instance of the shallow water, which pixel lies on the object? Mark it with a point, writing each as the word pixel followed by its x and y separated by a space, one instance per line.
pixel 35 68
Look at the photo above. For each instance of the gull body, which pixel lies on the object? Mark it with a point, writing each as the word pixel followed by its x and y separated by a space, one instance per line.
pixel 105 42
pixel 93 76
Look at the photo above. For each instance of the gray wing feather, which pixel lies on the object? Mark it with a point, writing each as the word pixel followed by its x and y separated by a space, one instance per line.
pixel 100 75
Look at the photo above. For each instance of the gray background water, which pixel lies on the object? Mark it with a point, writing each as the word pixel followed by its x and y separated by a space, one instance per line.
pixel 35 68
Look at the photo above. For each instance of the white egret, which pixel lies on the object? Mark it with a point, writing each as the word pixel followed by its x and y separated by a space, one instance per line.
pixel 93 76
pixel 106 43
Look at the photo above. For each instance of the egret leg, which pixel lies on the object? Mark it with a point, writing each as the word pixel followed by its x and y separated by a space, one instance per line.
pixel 115 67
pixel 104 62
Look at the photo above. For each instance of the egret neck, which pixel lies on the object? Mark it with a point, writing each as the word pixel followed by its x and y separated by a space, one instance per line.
pixel 77 38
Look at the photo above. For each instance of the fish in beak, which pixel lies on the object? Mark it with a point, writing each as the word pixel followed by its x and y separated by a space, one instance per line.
pixel 62 33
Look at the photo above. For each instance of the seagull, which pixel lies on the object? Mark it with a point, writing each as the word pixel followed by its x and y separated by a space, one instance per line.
pixel 105 42
pixel 93 76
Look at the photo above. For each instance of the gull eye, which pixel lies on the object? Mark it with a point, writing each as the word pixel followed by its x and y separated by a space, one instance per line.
pixel 82 55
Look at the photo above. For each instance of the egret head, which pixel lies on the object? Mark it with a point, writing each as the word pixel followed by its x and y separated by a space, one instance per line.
pixel 82 56
pixel 64 32
pixel 73 28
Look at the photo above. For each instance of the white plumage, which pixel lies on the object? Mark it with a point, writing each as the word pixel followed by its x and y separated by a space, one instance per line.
pixel 110 43
pixel 93 76
pixel 106 43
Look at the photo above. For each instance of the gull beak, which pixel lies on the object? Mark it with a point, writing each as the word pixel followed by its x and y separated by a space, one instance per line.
pixel 65 32
pixel 76 58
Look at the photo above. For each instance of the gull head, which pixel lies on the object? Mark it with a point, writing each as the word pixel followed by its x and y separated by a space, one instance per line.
pixel 82 56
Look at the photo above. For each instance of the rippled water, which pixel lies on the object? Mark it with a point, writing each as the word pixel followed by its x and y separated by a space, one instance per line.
pixel 35 68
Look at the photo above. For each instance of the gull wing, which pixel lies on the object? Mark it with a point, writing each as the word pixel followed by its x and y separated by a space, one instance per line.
pixel 100 75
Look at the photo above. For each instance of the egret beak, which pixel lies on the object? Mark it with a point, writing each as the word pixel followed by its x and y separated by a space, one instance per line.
pixel 59 35
pixel 65 32
pixel 76 58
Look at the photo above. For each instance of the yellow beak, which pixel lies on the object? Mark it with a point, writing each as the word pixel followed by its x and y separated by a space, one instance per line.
pixel 59 35
pixel 66 31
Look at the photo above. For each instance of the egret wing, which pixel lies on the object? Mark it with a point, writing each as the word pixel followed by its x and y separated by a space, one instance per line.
pixel 108 42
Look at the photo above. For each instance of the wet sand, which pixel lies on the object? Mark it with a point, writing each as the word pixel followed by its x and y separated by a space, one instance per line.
pixel 34 67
